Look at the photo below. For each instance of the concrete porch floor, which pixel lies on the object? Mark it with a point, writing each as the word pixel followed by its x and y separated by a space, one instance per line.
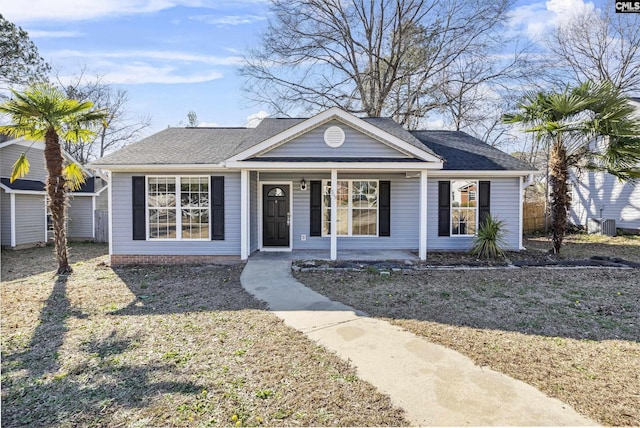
pixel 356 255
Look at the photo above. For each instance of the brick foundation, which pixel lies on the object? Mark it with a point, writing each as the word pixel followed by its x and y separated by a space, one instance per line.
pixel 124 260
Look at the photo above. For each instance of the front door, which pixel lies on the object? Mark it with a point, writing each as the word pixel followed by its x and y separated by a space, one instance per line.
pixel 276 215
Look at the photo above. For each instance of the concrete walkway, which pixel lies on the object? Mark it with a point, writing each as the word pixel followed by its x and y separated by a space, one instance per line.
pixel 436 386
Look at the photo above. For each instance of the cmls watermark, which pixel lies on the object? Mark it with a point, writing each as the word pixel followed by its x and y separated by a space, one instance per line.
pixel 628 7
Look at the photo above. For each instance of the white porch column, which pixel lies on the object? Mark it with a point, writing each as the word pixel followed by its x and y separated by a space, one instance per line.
pixel 12 202
pixel 334 214
pixel 245 218
pixel 422 252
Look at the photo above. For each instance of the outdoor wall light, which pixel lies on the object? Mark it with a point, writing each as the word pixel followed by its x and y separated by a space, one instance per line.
pixel 303 185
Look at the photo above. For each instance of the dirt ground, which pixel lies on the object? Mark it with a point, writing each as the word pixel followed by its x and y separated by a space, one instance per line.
pixel 572 333
pixel 162 346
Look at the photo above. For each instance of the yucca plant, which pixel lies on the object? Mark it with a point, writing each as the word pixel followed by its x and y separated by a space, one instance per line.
pixel 489 241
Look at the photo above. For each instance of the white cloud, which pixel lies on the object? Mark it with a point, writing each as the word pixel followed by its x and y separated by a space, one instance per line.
pixel 228 20
pixel 168 56
pixel 78 10
pixel 537 19
pixel 254 120
pixel 208 125
pixel 140 73
pixel 43 34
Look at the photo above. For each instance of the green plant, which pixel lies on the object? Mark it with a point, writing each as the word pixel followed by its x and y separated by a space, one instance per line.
pixel 489 241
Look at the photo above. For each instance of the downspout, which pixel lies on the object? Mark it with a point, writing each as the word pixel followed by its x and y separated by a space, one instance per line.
pixel 523 185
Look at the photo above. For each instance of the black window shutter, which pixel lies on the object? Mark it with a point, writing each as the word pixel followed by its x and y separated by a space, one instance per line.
pixel 315 217
pixel 484 200
pixel 217 208
pixel 384 207
pixel 444 208
pixel 139 196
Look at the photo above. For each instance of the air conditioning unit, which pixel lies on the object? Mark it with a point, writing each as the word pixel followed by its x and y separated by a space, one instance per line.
pixel 602 226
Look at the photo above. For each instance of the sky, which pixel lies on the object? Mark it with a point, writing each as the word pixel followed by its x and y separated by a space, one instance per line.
pixel 174 56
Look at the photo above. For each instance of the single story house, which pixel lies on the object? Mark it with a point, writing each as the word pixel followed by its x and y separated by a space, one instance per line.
pixel 330 182
pixel 24 219
pixel 600 195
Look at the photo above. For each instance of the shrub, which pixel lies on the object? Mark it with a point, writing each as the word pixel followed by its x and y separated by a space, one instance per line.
pixel 489 241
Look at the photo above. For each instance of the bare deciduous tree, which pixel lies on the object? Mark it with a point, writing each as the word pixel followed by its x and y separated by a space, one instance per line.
pixel 373 57
pixel 599 45
pixel 117 129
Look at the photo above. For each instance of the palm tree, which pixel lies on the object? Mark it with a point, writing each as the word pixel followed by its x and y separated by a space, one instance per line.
pixel 42 111
pixel 590 126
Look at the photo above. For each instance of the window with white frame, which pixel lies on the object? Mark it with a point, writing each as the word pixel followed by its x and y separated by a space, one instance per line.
pixel 178 207
pixel 464 207
pixel 356 208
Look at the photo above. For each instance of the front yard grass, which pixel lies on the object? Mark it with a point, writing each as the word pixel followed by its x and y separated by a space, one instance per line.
pixel 162 346
pixel 584 246
pixel 572 333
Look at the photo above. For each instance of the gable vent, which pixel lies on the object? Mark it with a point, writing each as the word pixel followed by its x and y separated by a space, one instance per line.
pixel 334 136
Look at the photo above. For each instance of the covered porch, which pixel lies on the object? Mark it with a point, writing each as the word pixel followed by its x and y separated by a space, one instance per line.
pixel 280 201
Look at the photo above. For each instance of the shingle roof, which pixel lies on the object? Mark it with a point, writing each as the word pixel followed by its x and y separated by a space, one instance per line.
pixel 207 146
pixel 21 184
pixel 463 152
pixel 38 186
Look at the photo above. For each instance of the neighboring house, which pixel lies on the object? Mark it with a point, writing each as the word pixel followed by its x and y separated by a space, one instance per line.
pixel 23 211
pixel 599 195
pixel 331 182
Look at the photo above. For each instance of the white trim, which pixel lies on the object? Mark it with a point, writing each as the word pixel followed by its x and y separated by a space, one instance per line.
pixel 93 217
pixel 102 189
pixel 523 185
pixel 245 230
pixel 261 214
pixel 334 214
pixel 327 116
pixel 485 173
pixel 422 251
pixel 323 166
pixel 141 168
pixel 46 230
pixel 10 142
pixel 12 203
pixel 110 213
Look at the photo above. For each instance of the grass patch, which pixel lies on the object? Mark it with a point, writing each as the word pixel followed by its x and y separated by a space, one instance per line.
pixel 573 334
pixel 163 346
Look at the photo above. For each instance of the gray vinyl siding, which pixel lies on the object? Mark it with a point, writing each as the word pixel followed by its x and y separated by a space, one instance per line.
pixel 5 218
pixel 404 213
pixel 122 233
pixel 253 212
pixel 598 190
pixel 356 144
pixel 10 154
pixel 505 197
pixel 80 218
pixel 30 219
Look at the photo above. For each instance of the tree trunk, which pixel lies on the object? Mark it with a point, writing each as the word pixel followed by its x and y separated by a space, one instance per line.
pixel 560 199
pixel 57 198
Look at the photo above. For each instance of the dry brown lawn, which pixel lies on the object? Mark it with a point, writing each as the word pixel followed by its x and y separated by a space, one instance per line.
pixel 572 333
pixel 162 346
pixel 582 245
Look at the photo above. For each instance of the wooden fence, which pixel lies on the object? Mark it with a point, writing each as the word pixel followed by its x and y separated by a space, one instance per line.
pixel 533 216
pixel 102 226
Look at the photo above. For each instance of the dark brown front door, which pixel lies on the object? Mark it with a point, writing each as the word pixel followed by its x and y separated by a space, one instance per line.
pixel 276 216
